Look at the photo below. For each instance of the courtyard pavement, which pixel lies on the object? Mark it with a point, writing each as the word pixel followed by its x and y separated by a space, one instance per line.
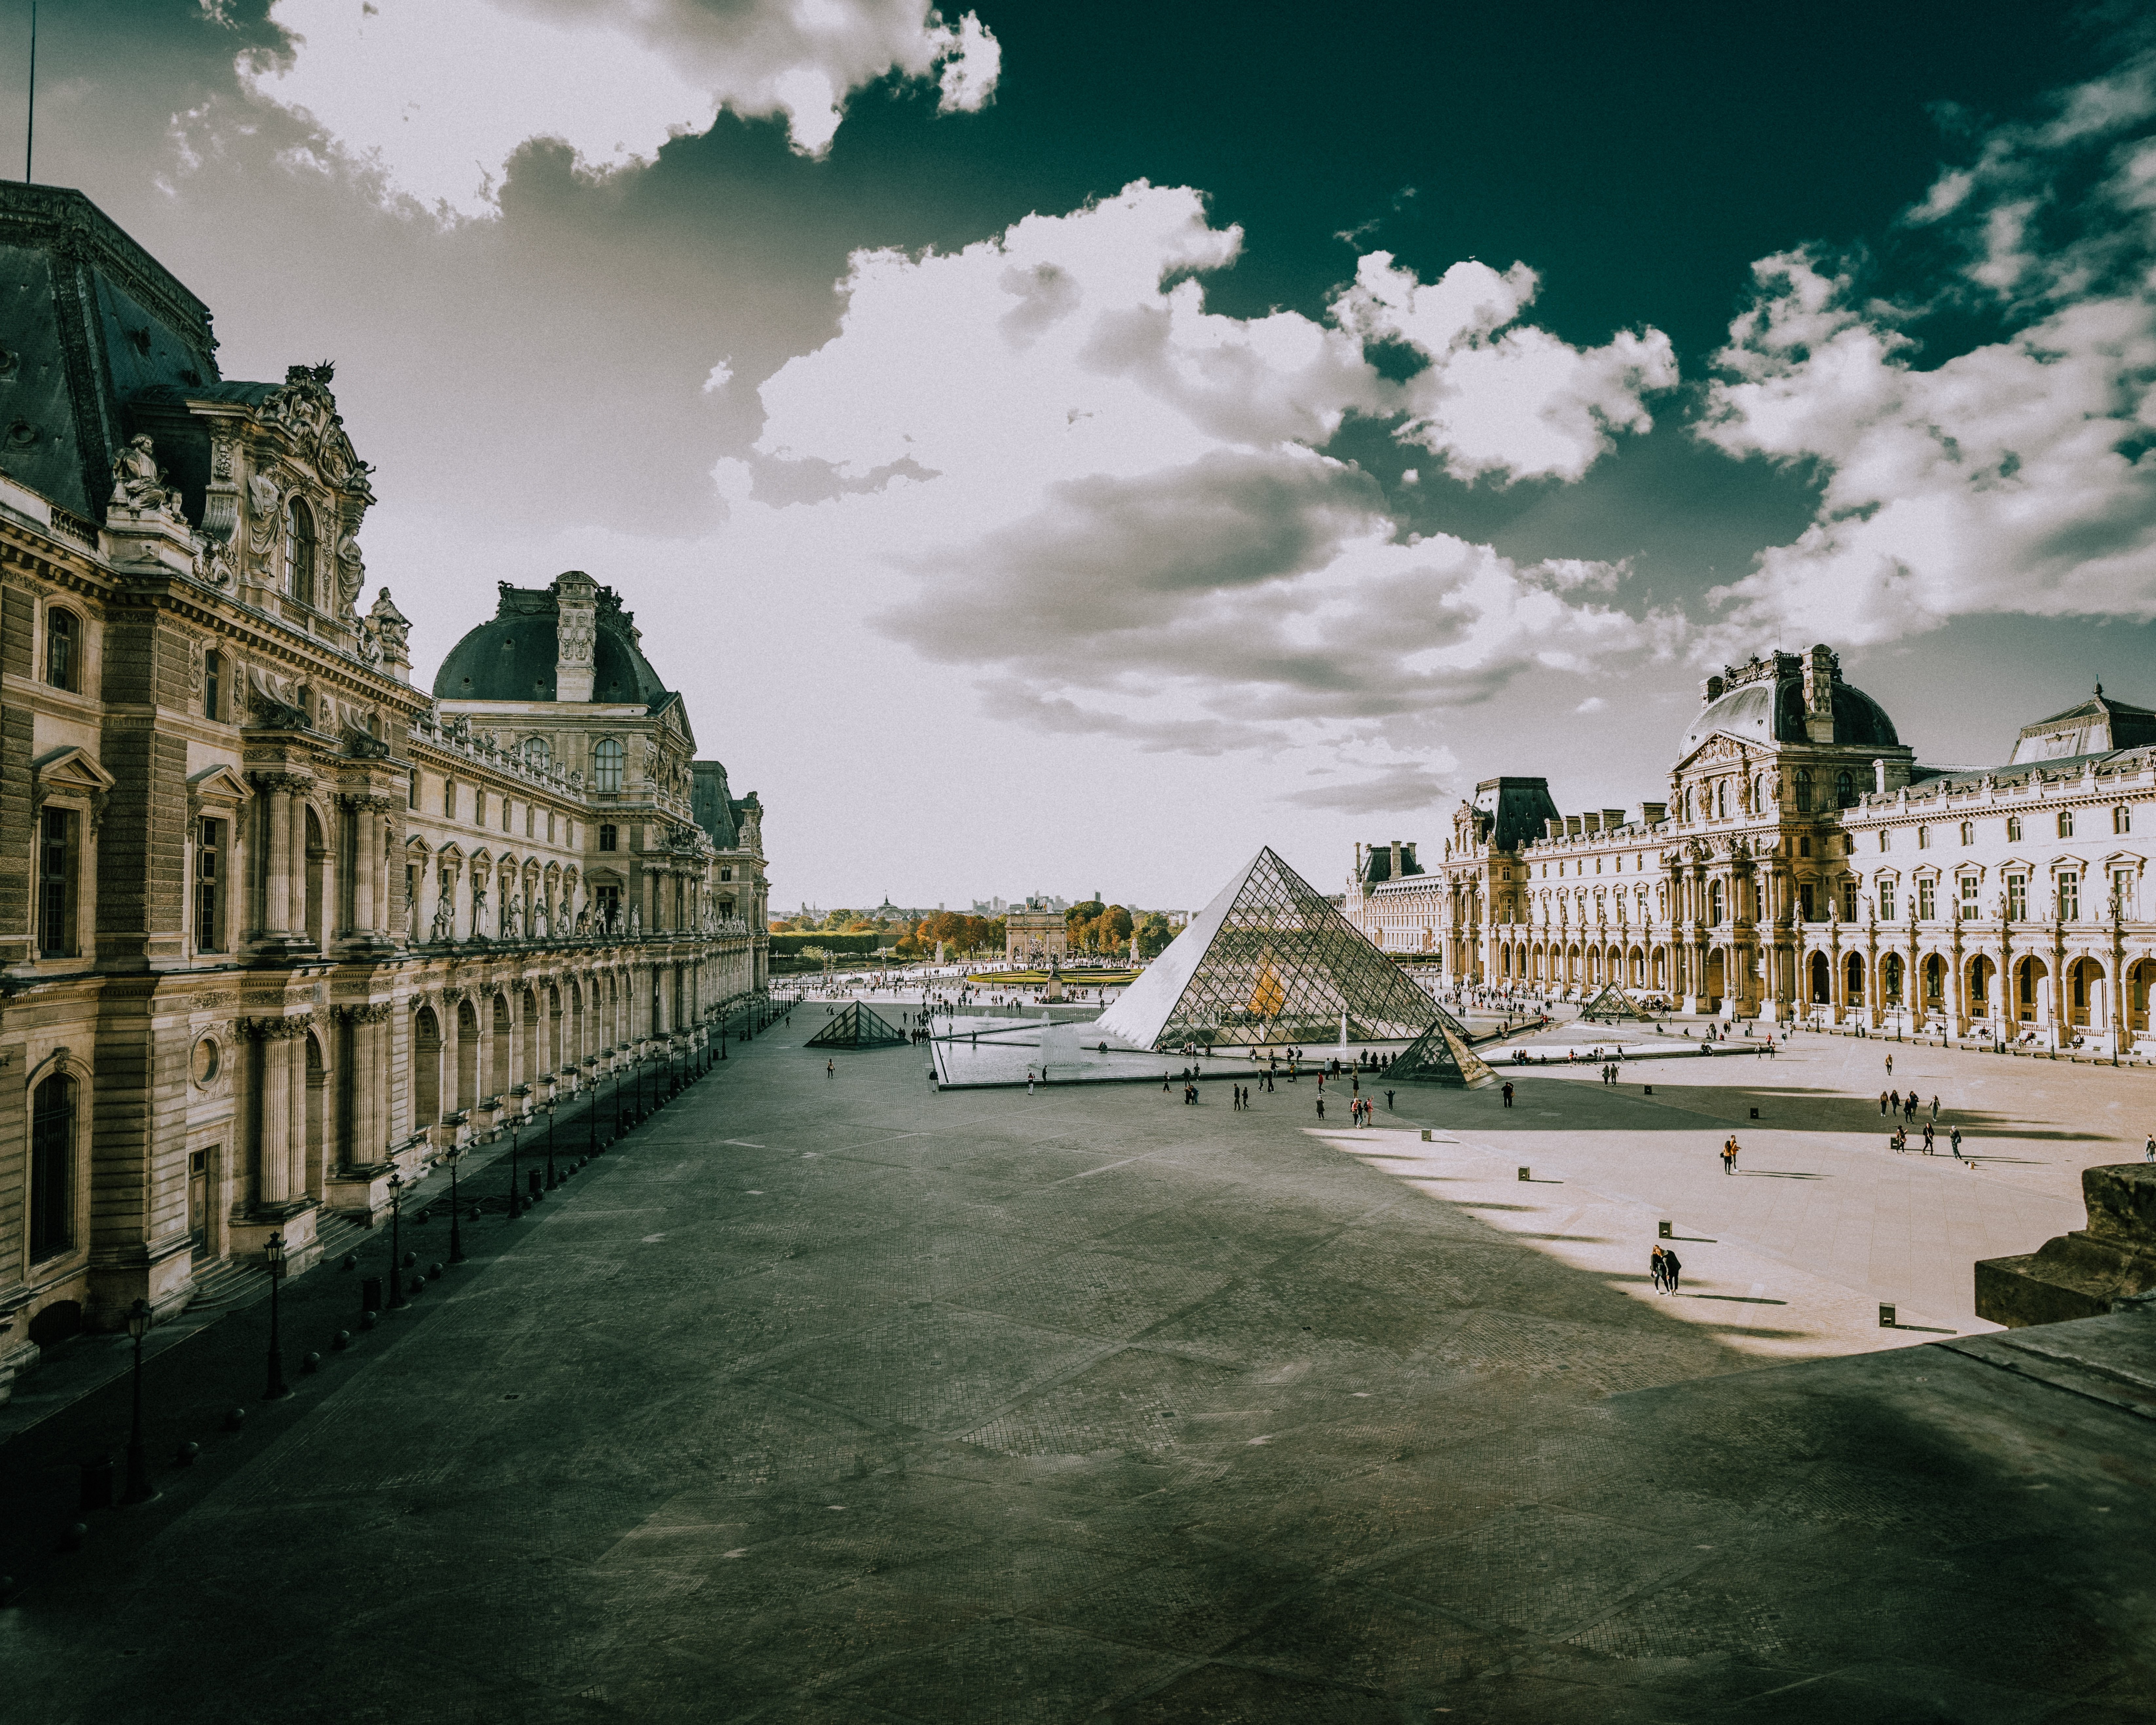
pixel 825 1399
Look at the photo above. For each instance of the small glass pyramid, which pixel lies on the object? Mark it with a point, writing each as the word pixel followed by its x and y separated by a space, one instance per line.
pixel 854 1025
pixel 1441 1055
pixel 1269 961
pixel 1613 1004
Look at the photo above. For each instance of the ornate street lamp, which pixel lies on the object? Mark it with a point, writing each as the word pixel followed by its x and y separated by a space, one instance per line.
pixel 452 1156
pixel 273 1388
pixel 138 1462
pixel 515 1201
pixel 616 1132
pixel 552 1183
pixel 591 1125
pixel 396 1240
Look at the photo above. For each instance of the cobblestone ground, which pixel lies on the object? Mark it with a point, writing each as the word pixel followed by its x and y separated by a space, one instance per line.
pixel 837 1399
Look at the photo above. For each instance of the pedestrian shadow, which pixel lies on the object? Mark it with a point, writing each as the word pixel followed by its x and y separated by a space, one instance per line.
pixel 1764 1173
pixel 1739 1299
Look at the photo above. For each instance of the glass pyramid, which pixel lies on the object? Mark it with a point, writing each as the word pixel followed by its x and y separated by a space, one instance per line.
pixel 1613 1004
pixel 1269 961
pixel 1441 1055
pixel 855 1026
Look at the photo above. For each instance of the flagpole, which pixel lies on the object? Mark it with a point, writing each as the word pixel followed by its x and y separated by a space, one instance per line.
pixel 30 123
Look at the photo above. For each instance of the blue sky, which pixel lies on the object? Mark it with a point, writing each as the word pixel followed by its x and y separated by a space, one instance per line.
pixel 1062 449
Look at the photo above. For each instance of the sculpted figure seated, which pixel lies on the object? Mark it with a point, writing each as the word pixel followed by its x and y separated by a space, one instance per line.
pixel 138 482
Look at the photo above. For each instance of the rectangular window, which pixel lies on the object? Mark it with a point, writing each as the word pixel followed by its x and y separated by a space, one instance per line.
pixel 1923 837
pixel 52 1168
pixel 1805 902
pixel 2014 830
pixel 2069 896
pixel 504 814
pixel 2066 822
pixel 550 826
pixel 209 887
pixel 1886 901
pixel 2122 892
pixel 412 797
pixel 1968 904
pixel 1927 905
pixel 1886 839
pixel 56 883
pixel 1848 898
pixel 609 836
pixel 2121 820
pixel 449 798
pixel 608 900
pixel 213 686
pixel 2017 896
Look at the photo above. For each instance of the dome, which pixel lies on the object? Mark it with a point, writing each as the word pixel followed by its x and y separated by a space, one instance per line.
pixel 512 656
pixel 1772 710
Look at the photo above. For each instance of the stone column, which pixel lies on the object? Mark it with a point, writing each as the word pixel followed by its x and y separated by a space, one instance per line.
pixel 295 829
pixel 358 811
pixel 276 853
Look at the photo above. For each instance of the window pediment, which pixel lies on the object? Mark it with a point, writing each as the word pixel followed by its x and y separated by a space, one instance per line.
pixel 72 770
pixel 217 786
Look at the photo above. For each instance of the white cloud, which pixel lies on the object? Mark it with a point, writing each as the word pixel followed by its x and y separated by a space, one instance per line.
pixel 435 95
pixel 1593 704
pixel 718 377
pixel 2017 477
pixel 1113 502
pixel 1495 397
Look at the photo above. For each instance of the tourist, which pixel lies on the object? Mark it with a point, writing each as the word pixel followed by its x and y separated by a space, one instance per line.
pixel 1890 1066
pixel 1671 1269
pixel 1320 1104
pixel 2148 1150
pixel 1389 1109
pixel 1883 1104
pixel 1508 1093
pixel 830 1069
pixel 1655 1269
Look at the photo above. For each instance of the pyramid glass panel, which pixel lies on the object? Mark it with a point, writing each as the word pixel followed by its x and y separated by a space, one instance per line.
pixel 1611 1004
pixel 855 1026
pixel 1269 961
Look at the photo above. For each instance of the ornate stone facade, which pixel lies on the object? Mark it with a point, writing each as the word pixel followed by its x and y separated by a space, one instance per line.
pixel 275 924
pixel 1804 866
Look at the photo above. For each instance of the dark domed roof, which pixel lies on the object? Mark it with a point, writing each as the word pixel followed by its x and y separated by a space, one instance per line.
pixel 1772 710
pixel 512 656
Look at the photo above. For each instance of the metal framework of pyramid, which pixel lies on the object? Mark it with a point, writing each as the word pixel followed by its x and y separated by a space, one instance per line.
pixel 855 1026
pixel 1441 1055
pixel 1271 960
pixel 1611 1003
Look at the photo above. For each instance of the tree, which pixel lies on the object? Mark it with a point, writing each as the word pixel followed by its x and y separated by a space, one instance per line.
pixel 1153 935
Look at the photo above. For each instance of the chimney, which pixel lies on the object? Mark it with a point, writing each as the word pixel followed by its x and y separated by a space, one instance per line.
pixel 1572 828
pixel 576 635
pixel 1407 854
pixel 1821 672
pixel 1591 822
pixel 1612 819
pixel 1393 859
pixel 1553 828
pixel 1654 814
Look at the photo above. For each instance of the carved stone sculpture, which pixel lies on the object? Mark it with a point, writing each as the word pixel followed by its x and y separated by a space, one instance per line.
pixel 635 922
pixel 138 481
pixel 478 909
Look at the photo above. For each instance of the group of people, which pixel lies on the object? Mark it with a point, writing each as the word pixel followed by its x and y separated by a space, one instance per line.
pixel 1663 1267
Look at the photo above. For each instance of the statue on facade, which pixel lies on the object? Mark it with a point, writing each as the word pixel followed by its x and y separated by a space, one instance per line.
pixel 583 923
pixel 512 910
pixel 351 570
pixel 635 923
pixel 445 915
pixel 478 909
pixel 543 919
pixel 138 482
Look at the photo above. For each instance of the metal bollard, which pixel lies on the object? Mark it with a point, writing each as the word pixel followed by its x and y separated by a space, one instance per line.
pixel 1425 1135
pixel 1755 1113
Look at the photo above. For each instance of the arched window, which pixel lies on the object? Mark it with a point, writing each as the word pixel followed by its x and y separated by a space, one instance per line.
pixel 52 1168
pixel 536 754
pixel 1803 791
pixel 62 632
pixel 1845 790
pixel 1714 901
pixel 2066 822
pixel 299 550
pixel 606 764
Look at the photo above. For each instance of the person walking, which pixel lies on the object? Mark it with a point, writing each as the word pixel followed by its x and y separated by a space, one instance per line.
pixel 1954 1141
pixel 2148 1150
pixel 1890 1066
pixel 1883 1104
pixel 1928 1129
pixel 1671 1269
pixel 1508 1093
pixel 1389 1109
pixel 1655 1269
pixel 1320 1104
pixel 830 1069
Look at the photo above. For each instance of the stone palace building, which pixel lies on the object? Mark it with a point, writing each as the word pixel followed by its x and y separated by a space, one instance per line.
pixel 1804 866
pixel 276 925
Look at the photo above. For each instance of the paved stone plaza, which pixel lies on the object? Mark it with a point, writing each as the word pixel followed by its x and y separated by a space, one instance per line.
pixel 839 1398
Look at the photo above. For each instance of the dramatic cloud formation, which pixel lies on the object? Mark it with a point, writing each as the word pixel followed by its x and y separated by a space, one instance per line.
pixel 2017 477
pixel 434 96
pixel 1117 508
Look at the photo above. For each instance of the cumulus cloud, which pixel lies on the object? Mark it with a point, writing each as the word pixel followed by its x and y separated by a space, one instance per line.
pixel 1402 786
pixel 1496 397
pixel 2016 476
pixel 1118 505
pixel 434 96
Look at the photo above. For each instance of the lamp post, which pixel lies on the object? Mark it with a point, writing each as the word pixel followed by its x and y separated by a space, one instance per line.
pixel 138 1462
pixel 273 1388
pixel 591 1125
pixel 452 1156
pixel 616 1132
pixel 396 1240
pixel 552 1183
pixel 515 1202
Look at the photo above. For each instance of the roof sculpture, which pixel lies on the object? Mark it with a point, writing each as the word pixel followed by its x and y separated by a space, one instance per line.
pixel 855 1026
pixel 1269 960
pixel 1441 1055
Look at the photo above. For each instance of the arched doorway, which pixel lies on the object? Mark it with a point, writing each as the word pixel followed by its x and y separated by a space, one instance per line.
pixel 504 1035
pixel 1718 975
pixel 467 1094
pixel 315 1173
pixel 1935 983
pixel 1981 971
pixel 2085 1002
pixel 426 1067
pixel 317 858
pixel 2032 991
pixel 1822 981
pixel 51 1168
pixel 1890 980
pixel 1852 975
pixel 2138 980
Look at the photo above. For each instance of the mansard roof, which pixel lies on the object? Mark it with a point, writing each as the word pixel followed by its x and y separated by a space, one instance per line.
pixel 2100 724
pixel 512 656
